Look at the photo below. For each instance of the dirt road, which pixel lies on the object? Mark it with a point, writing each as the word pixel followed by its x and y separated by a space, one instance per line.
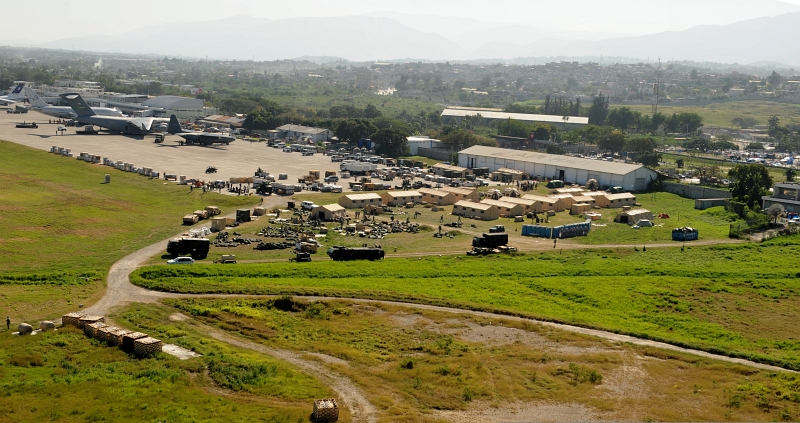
pixel 120 292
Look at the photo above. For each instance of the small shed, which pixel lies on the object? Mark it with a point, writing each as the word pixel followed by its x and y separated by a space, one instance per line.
pixel 400 198
pixel 579 208
pixel 616 201
pixel 147 346
pixel 72 319
pixel 128 340
pixel 359 201
pixel 476 210
pixel 325 410
pixel 505 209
pixel 330 212
pixel 633 216
pixel 467 194
pixel 438 197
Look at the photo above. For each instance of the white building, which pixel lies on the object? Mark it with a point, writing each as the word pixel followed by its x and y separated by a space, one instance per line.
pixel 571 122
pixel 299 132
pixel 569 169
pixel 415 142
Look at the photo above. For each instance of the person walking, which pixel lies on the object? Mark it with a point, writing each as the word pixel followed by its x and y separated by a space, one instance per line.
pixel 8 322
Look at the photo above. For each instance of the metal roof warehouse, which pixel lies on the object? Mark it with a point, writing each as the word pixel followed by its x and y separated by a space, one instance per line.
pixel 572 122
pixel 569 169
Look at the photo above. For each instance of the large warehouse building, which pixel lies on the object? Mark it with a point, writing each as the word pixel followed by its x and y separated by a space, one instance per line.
pixel 457 114
pixel 569 169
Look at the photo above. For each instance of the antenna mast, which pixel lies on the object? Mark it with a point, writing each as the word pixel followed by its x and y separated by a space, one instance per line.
pixel 656 88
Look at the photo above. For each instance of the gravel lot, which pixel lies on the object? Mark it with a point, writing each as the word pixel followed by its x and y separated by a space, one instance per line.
pixel 240 158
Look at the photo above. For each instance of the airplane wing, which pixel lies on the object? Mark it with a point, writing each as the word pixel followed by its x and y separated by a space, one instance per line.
pixel 5 101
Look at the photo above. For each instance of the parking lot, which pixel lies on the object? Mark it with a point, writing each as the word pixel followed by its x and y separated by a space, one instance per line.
pixel 239 159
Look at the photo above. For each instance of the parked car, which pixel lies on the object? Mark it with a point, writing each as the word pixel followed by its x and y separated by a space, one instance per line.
pixel 181 260
pixel 307 205
pixel 331 178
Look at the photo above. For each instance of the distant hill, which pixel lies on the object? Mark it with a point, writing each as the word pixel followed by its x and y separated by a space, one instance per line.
pixel 364 38
pixel 242 38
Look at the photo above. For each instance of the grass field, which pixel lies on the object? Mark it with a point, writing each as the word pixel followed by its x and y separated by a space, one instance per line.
pixel 62 226
pixel 64 376
pixel 721 114
pixel 739 300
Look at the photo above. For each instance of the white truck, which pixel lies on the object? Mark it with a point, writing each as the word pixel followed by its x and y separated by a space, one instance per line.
pixel 359 168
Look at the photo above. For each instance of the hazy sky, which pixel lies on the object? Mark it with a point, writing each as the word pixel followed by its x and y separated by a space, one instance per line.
pixel 58 19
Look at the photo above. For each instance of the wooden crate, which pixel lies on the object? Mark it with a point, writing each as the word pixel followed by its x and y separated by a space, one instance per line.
pixel 102 334
pixel 128 340
pixel 146 346
pixel 87 320
pixel 114 338
pixel 91 329
pixel 325 410
pixel 72 319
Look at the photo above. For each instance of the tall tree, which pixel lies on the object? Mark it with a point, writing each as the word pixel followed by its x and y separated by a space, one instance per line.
pixel 613 142
pixel 391 142
pixel 749 182
pixel 352 130
pixel 371 112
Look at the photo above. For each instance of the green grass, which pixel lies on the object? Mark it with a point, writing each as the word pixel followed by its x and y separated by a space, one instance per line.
pixel 62 226
pixel 413 362
pixel 726 299
pixel 721 114
pixel 64 376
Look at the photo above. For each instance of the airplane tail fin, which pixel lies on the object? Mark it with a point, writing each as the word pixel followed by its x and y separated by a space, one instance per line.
pixel 18 89
pixel 78 104
pixel 174 126
pixel 34 98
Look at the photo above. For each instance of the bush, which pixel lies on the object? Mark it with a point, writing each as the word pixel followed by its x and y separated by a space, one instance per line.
pixel 407 363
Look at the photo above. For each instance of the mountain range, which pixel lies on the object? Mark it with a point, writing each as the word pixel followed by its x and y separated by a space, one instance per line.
pixel 368 38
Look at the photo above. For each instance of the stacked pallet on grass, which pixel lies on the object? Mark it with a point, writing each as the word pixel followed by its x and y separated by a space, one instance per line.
pixel 114 338
pixel 72 319
pixel 148 346
pixel 91 329
pixel 129 339
pixel 88 320
pixel 325 410
pixel 103 333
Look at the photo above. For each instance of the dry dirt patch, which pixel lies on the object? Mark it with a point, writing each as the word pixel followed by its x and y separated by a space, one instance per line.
pixel 484 412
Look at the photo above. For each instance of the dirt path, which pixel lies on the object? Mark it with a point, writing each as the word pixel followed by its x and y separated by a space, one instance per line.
pixel 348 392
pixel 120 292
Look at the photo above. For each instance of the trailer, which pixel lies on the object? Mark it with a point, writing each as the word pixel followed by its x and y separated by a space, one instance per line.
pixel 492 240
pixel 196 247
pixel 340 253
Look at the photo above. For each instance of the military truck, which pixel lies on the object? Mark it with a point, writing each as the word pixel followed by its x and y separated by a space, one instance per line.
pixel 340 253
pixel 490 240
pixel 196 247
